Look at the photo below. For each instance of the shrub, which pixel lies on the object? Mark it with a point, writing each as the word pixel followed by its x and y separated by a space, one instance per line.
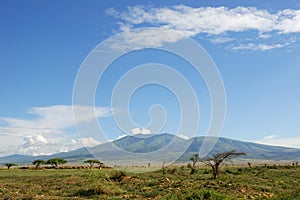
pixel 117 176
pixel 173 170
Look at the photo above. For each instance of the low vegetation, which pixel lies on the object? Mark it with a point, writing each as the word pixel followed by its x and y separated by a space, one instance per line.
pixel 242 182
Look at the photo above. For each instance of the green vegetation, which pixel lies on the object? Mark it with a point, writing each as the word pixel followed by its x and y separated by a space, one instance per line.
pixel 194 158
pixel 257 182
pixel 56 161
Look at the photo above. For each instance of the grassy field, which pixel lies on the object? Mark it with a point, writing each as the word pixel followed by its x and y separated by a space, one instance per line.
pixel 260 182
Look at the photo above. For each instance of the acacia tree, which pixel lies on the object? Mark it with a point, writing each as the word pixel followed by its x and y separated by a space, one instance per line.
pixel 9 165
pixel 56 161
pixel 215 161
pixel 92 162
pixel 37 163
pixel 194 158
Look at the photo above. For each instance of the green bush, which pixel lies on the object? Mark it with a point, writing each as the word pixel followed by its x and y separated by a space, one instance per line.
pixel 117 175
pixel 173 170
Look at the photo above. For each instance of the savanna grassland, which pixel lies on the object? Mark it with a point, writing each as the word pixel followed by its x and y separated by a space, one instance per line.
pixel 258 182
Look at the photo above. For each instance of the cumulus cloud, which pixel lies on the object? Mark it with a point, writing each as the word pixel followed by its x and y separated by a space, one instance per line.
pixel 35 146
pixel 140 131
pixel 216 21
pixel 48 131
pixel 279 141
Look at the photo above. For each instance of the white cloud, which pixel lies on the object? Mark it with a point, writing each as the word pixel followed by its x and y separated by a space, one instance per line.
pixel 34 146
pixel 264 36
pixel 221 40
pixel 48 132
pixel 144 38
pixel 33 139
pixel 55 117
pixel 185 137
pixel 89 142
pixel 279 141
pixel 212 20
pixel 120 136
pixel 140 131
pixel 216 21
pixel 261 47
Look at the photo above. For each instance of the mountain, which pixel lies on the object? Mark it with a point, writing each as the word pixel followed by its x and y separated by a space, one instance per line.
pixel 162 147
pixel 253 150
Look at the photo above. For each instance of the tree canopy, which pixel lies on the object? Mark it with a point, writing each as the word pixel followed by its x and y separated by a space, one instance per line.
pixel 56 161
pixel 9 165
pixel 37 163
pixel 94 161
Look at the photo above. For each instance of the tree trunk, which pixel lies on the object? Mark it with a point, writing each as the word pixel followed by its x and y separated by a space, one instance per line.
pixel 215 169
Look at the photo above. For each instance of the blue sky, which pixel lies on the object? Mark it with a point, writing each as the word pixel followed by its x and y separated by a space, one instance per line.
pixel 255 45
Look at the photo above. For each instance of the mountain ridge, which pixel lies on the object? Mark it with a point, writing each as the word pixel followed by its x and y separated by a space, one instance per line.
pixel 150 143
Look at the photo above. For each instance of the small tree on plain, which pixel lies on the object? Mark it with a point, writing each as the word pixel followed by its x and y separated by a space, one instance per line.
pixel 9 165
pixel 93 162
pixel 163 167
pixel 56 161
pixel 194 158
pixel 37 163
pixel 249 164
pixel 215 161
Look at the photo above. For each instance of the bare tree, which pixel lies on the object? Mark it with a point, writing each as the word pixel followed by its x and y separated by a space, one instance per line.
pixel 194 158
pixel 215 161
